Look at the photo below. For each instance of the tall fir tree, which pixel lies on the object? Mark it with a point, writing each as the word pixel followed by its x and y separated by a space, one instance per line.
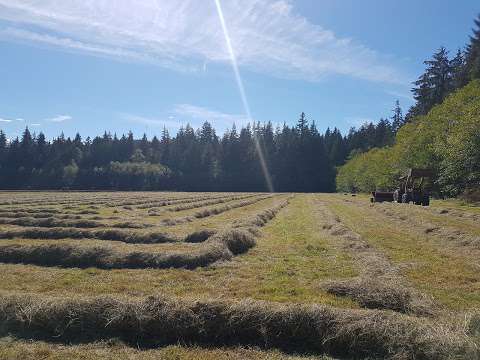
pixel 434 85
pixel 472 56
pixel 302 125
pixel 459 70
pixel 397 117
pixel 3 141
pixel 439 72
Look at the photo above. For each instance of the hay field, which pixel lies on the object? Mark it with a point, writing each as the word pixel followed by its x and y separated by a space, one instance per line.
pixel 144 275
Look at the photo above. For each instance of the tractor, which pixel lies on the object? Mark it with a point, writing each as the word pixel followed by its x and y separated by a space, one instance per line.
pixel 414 187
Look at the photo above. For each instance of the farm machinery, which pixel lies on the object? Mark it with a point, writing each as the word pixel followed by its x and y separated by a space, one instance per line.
pixel 413 187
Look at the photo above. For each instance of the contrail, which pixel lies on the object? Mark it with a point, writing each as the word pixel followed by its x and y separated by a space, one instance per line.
pixel 241 89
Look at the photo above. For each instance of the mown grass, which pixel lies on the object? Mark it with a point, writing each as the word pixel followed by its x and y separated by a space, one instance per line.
pixel 445 274
pixel 300 257
pixel 292 258
pixel 13 349
pixel 439 215
pixel 457 204
pixel 159 321
pixel 289 261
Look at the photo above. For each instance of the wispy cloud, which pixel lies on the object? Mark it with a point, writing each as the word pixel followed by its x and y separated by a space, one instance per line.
pixel 59 118
pixel 36 124
pixel 150 121
pixel 198 115
pixel 269 36
pixel 5 120
pixel 183 114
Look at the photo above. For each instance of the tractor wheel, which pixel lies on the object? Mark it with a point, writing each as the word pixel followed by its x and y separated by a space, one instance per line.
pixel 405 199
pixel 426 200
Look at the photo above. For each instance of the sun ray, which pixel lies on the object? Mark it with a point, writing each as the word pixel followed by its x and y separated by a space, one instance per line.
pixel 243 96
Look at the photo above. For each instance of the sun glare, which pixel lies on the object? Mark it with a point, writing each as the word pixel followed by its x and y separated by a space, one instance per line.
pixel 243 96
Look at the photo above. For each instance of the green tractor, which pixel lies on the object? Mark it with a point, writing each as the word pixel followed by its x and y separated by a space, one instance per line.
pixel 414 187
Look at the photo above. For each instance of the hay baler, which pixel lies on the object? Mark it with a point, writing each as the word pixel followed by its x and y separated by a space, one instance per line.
pixel 413 187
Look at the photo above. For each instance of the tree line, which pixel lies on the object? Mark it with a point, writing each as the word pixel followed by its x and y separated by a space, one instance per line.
pixel 441 131
pixel 298 158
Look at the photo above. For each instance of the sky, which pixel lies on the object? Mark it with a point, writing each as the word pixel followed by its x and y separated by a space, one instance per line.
pixel 91 66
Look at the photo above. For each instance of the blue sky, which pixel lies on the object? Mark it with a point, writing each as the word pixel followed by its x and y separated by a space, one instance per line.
pixel 93 65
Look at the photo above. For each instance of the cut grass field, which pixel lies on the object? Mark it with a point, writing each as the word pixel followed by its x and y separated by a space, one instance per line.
pixel 293 276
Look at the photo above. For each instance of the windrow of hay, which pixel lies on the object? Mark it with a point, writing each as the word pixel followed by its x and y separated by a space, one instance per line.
pixel 30 210
pixel 69 256
pixel 159 321
pixel 85 212
pixel 38 215
pixel 132 237
pixel 43 212
pixel 209 202
pixel 262 218
pixel 167 202
pixel 50 222
pixel 203 213
pixel 199 236
pixel 85 199
pixel 380 284
pixel 163 200
pixel 200 214
pixel 49 201
pixel 451 212
pixel 445 233
pixel 384 294
pixel 192 204
pixel 214 247
pixel 221 246
pixel 74 221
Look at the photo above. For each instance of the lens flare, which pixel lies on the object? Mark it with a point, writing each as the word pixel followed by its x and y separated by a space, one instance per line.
pixel 243 96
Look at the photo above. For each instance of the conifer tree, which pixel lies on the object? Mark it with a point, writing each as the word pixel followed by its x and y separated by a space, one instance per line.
pixel 459 70
pixel 397 117
pixel 434 85
pixel 473 52
pixel 3 141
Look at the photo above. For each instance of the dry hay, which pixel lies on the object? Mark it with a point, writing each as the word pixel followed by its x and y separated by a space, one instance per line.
pixel 37 215
pixel 193 203
pixel 453 237
pixel 66 221
pixel 50 222
pixel 213 247
pixel 104 234
pixel 201 214
pixel 30 211
pixel 383 294
pixel 158 321
pixel 209 202
pixel 222 246
pixel 262 218
pixel 199 236
pixel 173 201
pixel 380 284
